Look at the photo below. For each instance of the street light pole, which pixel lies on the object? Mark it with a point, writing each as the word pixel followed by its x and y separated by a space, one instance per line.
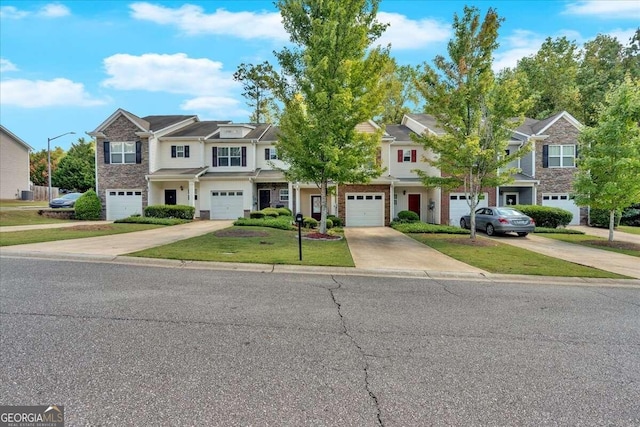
pixel 49 157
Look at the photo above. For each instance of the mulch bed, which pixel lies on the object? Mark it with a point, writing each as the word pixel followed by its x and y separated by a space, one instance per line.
pixel 93 227
pixel 320 236
pixel 614 244
pixel 240 233
pixel 478 243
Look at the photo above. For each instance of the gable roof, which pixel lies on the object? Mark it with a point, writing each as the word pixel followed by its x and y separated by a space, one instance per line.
pixel 16 138
pixel 198 129
pixel 426 120
pixel 400 133
pixel 160 122
pixel 142 124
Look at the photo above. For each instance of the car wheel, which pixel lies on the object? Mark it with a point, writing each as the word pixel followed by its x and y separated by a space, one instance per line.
pixel 522 234
pixel 463 223
pixel 490 230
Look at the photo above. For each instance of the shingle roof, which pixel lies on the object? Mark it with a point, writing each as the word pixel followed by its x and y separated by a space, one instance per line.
pixel 161 122
pixel 542 123
pixel 271 134
pixel 399 132
pixel 202 129
pixel 427 120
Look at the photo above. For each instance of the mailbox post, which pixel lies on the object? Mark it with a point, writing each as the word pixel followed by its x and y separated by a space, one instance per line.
pixel 299 220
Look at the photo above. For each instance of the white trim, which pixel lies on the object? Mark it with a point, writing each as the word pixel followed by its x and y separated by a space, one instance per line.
pixel 504 198
pixel 572 120
pixel 16 138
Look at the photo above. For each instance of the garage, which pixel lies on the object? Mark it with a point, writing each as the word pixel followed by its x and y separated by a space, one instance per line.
pixel 123 203
pixel 227 204
pixel 364 210
pixel 562 201
pixel 459 207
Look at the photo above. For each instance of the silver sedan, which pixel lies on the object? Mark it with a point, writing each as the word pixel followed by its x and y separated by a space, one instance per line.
pixel 495 220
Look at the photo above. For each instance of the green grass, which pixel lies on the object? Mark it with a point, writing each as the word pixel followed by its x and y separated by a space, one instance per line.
pixel 4 203
pixel 151 220
pixel 78 232
pixel 501 258
pixel 254 245
pixel 598 243
pixel 545 230
pixel 26 217
pixel 629 229
pixel 422 227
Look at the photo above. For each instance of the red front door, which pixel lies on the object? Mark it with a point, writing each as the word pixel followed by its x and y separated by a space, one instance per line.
pixel 414 203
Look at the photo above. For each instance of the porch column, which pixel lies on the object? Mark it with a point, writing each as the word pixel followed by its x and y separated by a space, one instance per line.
pixel 392 207
pixel 290 202
pixel 297 198
pixel 192 193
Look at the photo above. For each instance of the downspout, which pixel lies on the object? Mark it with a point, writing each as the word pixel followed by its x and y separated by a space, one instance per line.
pixel 95 159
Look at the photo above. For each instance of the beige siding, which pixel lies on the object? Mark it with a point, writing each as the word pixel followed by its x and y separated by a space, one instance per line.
pixel 14 167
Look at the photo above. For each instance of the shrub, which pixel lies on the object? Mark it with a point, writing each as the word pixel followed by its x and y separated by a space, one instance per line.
pixel 309 222
pixel 543 230
pixel 88 206
pixel 546 216
pixel 150 220
pixel 272 212
pixel 256 214
pixel 408 216
pixel 423 227
pixel 284 211
pixel 282 222
pixel 329 223
pixel 337 222
pixel 600 218
pixel 631 216
pixel 170 211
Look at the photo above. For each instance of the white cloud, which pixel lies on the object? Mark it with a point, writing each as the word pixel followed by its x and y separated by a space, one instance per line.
pixel 404 33
pixel 192 20
pixel 11 12
pixel 41 93
pixel 604 9
pixel 520 44
pixel 54 10
pixel 215 107
pixel 6 65
pixel 167 73
pixel 623 35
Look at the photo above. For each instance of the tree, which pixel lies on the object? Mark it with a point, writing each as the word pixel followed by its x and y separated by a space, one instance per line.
pixel 257 82
pixel 38 165
pixel 334 81
pixel 76 170
pixel 631 56
pixel 402 92
pixel 609 163
pixel 473 108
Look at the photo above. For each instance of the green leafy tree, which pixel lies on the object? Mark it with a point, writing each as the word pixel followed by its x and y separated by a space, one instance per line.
pixel 402 94
pixel 334 80
pixel 631 56
pixel 473 108
pixel 76 169
pixel 257 82
pixel 38 164
pixel 609 164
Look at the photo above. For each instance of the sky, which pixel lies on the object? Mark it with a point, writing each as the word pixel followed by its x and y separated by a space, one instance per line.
pixel 66 66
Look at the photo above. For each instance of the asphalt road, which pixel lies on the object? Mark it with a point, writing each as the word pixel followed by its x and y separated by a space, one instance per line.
pixel 135 345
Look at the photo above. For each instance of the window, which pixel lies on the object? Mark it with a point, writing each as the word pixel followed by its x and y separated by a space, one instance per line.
pixel 284 194
pixel 407 156
pixel 229 156
pixel 123 152
pixel 179 151
pixel 270 153
pixel 561 156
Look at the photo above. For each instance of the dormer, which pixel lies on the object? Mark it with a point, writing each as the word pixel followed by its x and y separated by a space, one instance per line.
pixel 235 130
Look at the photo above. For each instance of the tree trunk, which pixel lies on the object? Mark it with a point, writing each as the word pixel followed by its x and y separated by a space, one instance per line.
pixel 323 207
pixel 612 223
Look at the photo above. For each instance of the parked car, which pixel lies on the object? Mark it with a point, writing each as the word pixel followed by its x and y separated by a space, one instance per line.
pixel 66 201
pixel 496 219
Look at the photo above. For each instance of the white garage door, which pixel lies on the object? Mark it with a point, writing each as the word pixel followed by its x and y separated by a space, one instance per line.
pixel 563 201
pixel 458 206
pixel 364 210
pixel 123 203
pixel 226 204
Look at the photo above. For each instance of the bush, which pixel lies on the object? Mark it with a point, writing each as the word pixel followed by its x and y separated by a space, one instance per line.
pixel 282 222
pixel 170 211
pixel 543 230
pixel 329 223
pixel 423 227
pixel 88 206
pixel 600 218
pixel 150 220
pixel 256 214
pixel 408 216
pixel 337 222
pixel 546 216
pixel 272 212
pixel 309 222
pixel 631 216
pixel 284 211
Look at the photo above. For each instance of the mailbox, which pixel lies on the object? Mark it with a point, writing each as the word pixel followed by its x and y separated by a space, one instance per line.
pixel 299 218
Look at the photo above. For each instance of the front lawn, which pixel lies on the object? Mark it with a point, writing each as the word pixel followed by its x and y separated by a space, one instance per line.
pixel 77 232
pixel 13 203
pixel 598 243
pixel 501 258
pixel 261 245
pixel 26 217
pixel 628 229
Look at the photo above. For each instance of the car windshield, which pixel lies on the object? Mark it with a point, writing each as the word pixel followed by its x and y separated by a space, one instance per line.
pixel 71 196
pixel 510 212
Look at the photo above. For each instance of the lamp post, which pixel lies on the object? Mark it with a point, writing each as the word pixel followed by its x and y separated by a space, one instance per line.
pixel 49 157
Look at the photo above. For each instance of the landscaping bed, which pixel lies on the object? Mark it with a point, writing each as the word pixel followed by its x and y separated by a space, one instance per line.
pixel 626 248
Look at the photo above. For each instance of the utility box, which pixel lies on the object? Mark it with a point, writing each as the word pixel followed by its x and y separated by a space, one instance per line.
pixel 27 195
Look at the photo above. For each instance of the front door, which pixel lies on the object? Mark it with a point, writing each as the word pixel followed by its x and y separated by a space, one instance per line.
pixel 170 197
pixel 316 207
pixel 265 199
pixel 414 203
pixel 510 199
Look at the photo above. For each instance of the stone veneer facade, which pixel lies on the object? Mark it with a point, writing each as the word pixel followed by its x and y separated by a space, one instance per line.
pixel 122 176
pixel 364 188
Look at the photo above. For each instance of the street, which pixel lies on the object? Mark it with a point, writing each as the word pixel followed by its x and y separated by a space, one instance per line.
pixel 122 345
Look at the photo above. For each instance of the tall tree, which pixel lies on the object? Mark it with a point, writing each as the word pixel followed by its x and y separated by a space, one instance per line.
pixel 475 111
pixel 76 170
pixel 257 83
pixel 631 56
pixel 335 80
pixel 609 164
pixel 402 94
pixel 38 164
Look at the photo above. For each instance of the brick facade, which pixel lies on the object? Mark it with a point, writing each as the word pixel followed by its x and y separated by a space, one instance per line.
pixel 122 176
pixel 364 188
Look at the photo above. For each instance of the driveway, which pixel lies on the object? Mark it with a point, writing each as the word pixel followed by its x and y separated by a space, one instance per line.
pixel 619 236
pixel 387 249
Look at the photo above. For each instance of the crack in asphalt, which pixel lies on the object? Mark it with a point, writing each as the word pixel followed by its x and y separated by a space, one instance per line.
pixel 345 331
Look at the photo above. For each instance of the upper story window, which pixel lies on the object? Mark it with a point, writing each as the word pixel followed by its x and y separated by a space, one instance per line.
pixel 559 156
pixel 122 152
pixel 407 156
pixel 229 156
pixel 179 151
pixel 270 153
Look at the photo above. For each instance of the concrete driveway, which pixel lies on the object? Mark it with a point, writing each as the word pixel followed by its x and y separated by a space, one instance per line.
pixel 387 249
pixel 619 236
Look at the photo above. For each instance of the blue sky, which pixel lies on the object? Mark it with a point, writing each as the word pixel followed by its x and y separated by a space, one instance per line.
pixel 67 65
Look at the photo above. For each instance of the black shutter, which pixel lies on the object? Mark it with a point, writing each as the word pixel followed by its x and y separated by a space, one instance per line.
pixel 266 154
pixel 186 151
pixel 244 156
pixel 107 152
pixel 138 152
pixel 575 162
pixel 545 156
pixel 214 162
pixel 173 151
